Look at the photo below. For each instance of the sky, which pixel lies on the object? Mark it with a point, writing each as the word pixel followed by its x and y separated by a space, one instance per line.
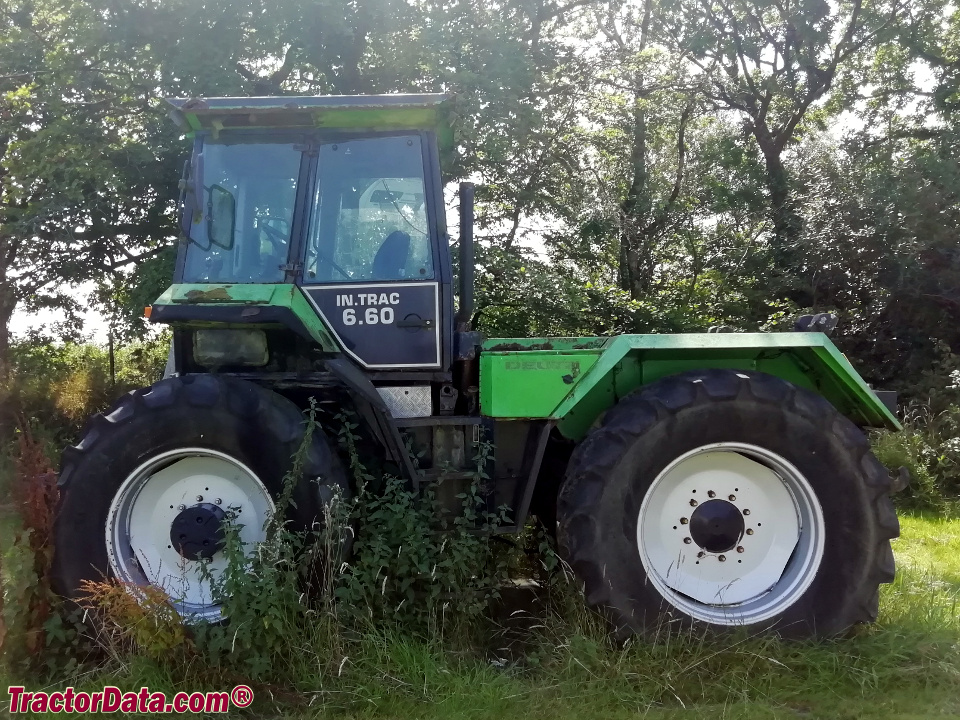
pixel 94 324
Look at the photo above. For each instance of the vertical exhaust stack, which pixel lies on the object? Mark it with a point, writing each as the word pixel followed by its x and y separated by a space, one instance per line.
pixel 465 313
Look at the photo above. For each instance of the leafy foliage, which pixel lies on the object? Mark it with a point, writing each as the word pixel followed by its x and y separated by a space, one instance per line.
pixel 55 387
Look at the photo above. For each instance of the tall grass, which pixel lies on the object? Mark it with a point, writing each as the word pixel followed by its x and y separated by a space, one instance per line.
pixel 563 664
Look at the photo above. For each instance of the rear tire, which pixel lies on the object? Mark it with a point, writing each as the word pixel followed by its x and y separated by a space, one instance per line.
pixel 806 558
pixel 199 444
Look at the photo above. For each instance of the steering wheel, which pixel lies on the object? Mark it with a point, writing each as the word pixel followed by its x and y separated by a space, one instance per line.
pixel 278 238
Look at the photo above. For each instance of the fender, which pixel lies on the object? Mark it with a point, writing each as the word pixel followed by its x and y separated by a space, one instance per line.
pixel 574 380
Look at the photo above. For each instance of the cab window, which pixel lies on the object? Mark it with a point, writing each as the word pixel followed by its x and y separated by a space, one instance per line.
pixel 370 213
pixel 242 232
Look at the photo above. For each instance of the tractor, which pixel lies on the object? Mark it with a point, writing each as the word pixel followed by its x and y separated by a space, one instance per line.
pixel 719 480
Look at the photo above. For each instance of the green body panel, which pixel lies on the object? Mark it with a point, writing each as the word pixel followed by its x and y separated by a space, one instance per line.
pixel 540 378
pixel 541 371
pixel 522 378
pixel 232 295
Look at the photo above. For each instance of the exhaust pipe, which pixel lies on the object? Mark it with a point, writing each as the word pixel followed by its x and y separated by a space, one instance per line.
pixel 465 314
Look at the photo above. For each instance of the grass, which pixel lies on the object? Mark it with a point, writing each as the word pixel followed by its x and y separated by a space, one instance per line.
pixel 905 666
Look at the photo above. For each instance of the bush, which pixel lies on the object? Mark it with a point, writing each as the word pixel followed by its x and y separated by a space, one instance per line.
pixel 55 387
pixel 28 599
pixel 415 565
pixel 929 448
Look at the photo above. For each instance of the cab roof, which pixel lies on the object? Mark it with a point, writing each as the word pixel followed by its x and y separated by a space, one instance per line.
pixel 335 112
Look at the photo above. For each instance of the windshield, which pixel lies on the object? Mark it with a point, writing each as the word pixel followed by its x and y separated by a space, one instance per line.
pixel 249 191
pixel 370 218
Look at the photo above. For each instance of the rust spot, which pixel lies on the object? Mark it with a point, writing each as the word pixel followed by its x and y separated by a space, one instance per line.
pixel 518 347
pixel 217 294
pixel 591 344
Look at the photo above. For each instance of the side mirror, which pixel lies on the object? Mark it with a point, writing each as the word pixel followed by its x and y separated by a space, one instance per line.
pixel 191 202
pixel 221 217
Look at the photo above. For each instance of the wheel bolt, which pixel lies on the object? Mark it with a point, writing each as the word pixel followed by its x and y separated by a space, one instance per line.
pixel 746 512
pixel 693 503
pixel 683 521
pixel 181 507
pixel 218 501
pixel 732 498
pixel 199 498
pixel 739 548
pixel 749 531
pixel 701 553
pixel 711 493
pixel 687 541
pixel 722 558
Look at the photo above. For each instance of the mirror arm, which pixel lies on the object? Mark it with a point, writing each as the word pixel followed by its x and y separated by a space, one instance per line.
pixel 197 181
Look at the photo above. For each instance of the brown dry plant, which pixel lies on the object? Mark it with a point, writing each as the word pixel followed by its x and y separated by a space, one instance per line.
pixel 133 618
pixel 35 496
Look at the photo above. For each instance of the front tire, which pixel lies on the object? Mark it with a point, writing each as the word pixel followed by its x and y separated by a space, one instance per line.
pixel 146 492
pixel 729 499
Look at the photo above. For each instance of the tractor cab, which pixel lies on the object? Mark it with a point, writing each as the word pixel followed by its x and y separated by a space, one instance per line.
pixel 338 196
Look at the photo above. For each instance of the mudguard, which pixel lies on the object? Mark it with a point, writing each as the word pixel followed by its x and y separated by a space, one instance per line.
pixel 574 380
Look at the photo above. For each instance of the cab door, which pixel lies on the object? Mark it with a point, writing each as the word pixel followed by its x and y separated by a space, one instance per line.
pixel 372 267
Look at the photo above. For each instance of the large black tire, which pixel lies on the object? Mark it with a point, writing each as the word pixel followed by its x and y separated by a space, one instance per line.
pixel 615 466
pixel 255 426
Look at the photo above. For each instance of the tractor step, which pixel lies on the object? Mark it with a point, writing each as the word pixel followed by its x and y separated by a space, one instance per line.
pixel 439 420
pixel 437 476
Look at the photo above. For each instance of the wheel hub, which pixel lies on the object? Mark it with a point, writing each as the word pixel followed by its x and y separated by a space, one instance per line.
pixel 730 533
pixel 198 531
pixel 163 499
pixel 717 526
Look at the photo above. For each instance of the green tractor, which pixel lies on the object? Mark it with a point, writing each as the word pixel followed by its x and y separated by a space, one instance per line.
pixel 716 479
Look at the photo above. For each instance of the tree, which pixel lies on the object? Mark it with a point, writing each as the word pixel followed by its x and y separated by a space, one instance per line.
pixel 80 159
pixel 774 63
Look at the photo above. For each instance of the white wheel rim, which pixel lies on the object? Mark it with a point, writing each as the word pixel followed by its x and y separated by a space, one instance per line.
pixel 139 546
pixel 774 559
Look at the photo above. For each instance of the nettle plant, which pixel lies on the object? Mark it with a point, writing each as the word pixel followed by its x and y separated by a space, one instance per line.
pixel 387 556
pixel 414 563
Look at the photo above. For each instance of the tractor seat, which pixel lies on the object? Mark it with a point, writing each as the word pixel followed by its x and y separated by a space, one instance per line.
pixel 390 262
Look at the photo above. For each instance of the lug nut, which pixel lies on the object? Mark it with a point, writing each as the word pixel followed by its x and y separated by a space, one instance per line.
pixel 693 503
pixel 722 558
pixel 749 531
pixel 746 512
pixel 199 498
pixel 683 521
pixel 731 498
pixel 701 553
pixel 687 541
pixel 218 501
pixel 739 548
pixel 181 507
pixel 711 493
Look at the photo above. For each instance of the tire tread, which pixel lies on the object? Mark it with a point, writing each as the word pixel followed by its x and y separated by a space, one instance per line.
pixel 595 457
